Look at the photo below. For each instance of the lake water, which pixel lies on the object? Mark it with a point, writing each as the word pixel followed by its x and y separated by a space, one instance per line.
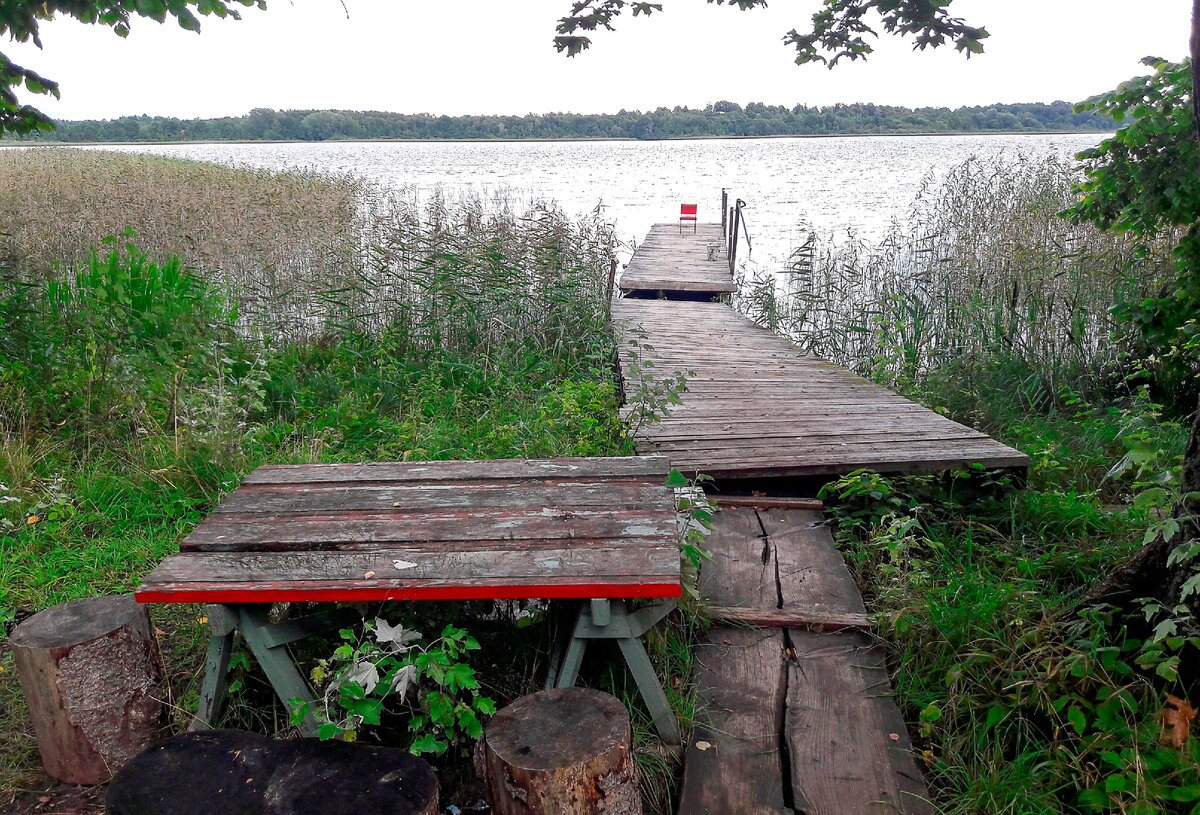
pixel 856 183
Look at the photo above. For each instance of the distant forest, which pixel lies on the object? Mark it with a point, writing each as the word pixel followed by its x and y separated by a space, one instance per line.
pixel 721 119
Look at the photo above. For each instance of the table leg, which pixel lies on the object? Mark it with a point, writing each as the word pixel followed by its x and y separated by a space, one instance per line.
pixel 222 623
pixel 276 663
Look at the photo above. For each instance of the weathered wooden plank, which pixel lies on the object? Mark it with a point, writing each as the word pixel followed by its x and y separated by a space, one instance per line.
pixel 848 747
pixel 766 502
pixel 460 470
pixel 754 406
pixel 733 762
pixel 787 618
pixel 254 532
pixel 489 559
pixel 669 261
pixel 611 568
pixel 740 682
pixel 813 577
pixel 741 571
pixel 275 499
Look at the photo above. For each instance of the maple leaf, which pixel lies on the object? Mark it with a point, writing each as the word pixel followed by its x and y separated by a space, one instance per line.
pixel 395 638
pixel 1177 719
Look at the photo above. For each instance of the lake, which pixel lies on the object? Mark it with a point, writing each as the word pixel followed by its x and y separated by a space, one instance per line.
pixel 836 184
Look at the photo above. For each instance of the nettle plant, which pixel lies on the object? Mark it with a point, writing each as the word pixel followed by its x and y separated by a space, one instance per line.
pixel 387 665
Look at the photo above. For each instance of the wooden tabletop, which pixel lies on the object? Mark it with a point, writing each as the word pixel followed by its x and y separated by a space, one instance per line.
pixel 455 530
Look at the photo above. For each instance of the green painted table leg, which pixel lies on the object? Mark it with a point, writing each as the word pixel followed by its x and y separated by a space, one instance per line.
pixel 222 623
pixel 612 620
pixel 276 662
pixel 651 689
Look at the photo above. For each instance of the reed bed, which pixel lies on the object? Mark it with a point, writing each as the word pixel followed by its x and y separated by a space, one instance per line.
pixel 244 225
pixel 307 254
pixel 982 274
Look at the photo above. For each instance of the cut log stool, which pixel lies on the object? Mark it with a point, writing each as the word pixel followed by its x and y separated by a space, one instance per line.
pixel 93 679
pixel 566 751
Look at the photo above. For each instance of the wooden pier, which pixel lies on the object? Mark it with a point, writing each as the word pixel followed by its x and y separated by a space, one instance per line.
pixel 795 709
pixel 756 407
pixel 674 261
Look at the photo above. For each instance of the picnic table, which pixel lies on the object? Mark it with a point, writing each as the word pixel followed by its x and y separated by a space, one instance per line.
pixel 598 531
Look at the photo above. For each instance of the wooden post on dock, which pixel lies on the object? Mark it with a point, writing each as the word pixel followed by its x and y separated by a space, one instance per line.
pixel 737 227
pixel 724 211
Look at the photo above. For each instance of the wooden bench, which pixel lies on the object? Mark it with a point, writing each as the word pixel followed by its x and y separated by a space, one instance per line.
pixel 599 530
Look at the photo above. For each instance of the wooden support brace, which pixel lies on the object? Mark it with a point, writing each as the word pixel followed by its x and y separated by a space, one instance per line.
pixel 789 618
pixel 268 643
pixel 612 620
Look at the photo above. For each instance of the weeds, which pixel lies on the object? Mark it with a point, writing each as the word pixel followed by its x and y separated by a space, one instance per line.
pixel 311 320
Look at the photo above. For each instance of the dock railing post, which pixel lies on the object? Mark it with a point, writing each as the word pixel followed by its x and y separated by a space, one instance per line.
pixel 737 223
pixel 729 239
pixel 724 211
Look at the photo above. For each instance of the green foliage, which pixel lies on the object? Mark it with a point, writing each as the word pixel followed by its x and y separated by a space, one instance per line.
pixel 21 21
pixel 386 663
pixel 179 396
pixel 838 28
pixel 127 347
pixel 972 321
pixel 720 119
pixel 1142 182
pixel 1023 700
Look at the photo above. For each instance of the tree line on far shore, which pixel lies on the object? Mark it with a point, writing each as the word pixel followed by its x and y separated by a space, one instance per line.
pixel 721 119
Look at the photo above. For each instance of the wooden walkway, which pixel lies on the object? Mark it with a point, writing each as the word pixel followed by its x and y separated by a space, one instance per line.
pixel 756 407
pixel 671 261
pixel 793 719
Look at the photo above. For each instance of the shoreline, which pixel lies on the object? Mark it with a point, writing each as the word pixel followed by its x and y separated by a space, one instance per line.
pixel 949 133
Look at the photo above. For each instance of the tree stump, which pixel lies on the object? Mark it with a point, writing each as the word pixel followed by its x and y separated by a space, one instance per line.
pixel 567 751
pixel 92 677
pixel 233 772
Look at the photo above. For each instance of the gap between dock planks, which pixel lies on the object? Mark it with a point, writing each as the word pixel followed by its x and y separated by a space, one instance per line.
pixel 794 720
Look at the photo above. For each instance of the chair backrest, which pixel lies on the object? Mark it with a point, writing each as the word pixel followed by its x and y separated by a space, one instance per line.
pixel 686 210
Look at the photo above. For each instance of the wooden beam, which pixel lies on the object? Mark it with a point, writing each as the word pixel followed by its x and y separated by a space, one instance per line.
pixel 789 618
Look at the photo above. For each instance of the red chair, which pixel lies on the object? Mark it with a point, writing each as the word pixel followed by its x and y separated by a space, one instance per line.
pixel 687 212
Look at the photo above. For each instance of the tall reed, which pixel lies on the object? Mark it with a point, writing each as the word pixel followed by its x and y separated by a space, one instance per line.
pixel 982 273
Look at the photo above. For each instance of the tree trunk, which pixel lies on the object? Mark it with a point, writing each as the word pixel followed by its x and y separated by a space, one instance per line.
pixel 1194 50
pixel 1146 573
pixel 92 677
pixel 567 751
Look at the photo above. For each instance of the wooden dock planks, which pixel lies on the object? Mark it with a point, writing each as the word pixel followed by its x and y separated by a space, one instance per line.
pixel 793 721
pixel 669 260
pixel 755 407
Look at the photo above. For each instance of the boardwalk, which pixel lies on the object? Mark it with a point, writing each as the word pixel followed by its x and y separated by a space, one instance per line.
pixel 673 261
pixel 794 716
pixel 793 720
pixel 756 407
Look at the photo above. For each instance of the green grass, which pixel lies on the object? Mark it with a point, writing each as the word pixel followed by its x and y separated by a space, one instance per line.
pixel 1023 698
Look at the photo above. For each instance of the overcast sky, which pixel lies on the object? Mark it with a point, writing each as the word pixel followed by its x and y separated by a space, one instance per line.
pixel 495 56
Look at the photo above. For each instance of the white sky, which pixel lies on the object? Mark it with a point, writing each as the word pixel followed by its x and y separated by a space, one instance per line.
pixel 495 56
